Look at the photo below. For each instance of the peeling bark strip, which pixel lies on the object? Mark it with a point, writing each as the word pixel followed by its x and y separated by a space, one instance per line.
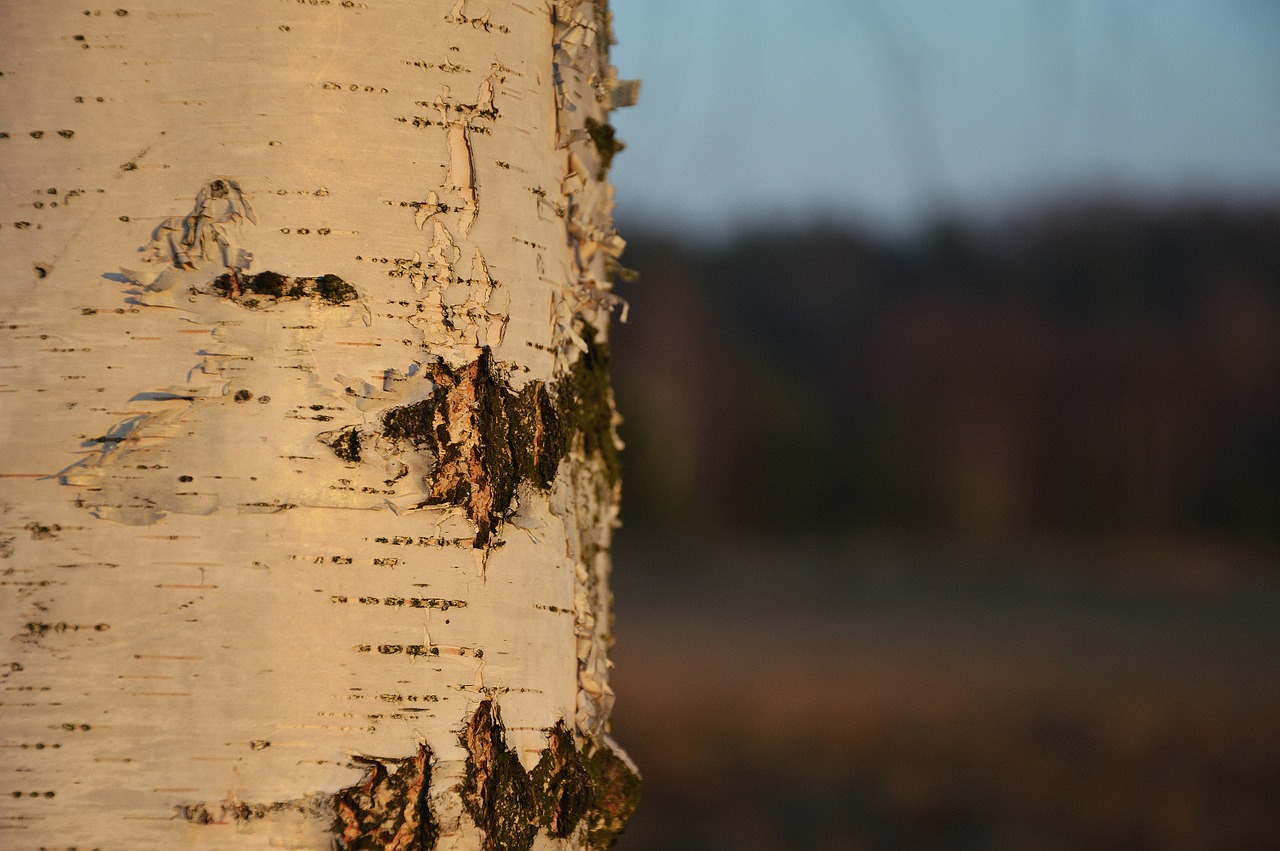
pixel 387 811
pixel 485 440
pixel 593 789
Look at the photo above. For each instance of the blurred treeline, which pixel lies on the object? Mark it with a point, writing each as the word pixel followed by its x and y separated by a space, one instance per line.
pixel 1099 368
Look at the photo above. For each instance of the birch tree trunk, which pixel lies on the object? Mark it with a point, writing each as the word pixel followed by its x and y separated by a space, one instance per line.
pixel 309 464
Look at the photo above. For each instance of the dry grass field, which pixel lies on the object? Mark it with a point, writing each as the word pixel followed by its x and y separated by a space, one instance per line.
pixel 849 700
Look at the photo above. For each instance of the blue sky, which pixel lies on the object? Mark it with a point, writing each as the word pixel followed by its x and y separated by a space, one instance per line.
pixel 890 112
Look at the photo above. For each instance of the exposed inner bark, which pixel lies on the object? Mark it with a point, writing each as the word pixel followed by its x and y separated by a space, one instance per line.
pixel 483 438
pixel 496 792
pixel 563 784
pixel 388 810
pixel 567 789
pixel 486 440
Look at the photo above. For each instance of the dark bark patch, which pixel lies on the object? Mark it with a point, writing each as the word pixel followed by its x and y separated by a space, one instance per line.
pixel 607 144
pixel 615 794
pixel 388 810
pixel 496 792
pixel 486 440
pixel 536 427
pixel 345 443
pixel 235 811
pixel 589 793
pixel 249 290
pixel 334 290
pixel 586 405
pixel 567 788
pixel 40 532
pixel 563 787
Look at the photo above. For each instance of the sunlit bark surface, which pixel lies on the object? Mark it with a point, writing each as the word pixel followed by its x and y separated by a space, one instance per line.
pixel 308 467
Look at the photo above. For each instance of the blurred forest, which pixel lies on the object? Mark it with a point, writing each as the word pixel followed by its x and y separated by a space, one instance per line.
pixel 963 541
pixel 1097 368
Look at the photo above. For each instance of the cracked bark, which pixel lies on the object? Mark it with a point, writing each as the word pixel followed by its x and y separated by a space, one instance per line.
pixel 310 547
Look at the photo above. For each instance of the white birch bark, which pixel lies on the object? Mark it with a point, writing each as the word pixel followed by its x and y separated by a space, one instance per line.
pixel 282 554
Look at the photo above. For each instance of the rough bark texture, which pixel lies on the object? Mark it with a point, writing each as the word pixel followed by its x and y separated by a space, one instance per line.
pixel 309 466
